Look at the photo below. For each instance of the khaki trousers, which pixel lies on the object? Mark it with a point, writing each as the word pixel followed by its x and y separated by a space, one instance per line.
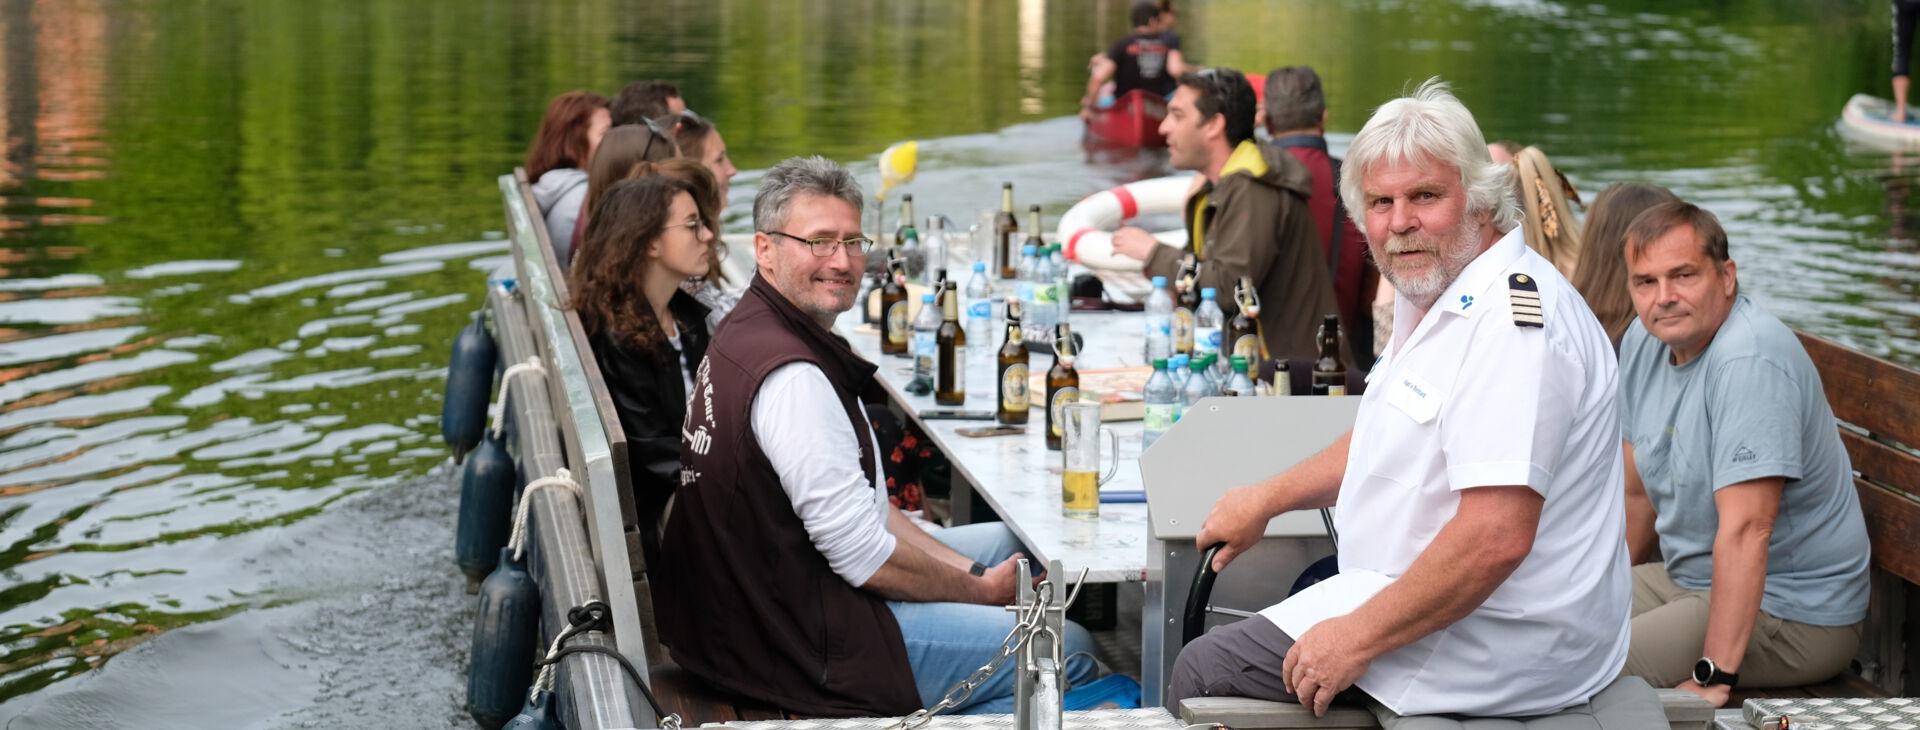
pixel 1670 631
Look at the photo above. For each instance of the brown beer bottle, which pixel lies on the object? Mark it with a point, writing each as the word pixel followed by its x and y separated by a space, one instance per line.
pixel 1063 384
pixel 1329 372
pixel 1033 236
pixel 895 331
pixel 1186 301
pixel 1007 229
pixel 950 381
pixel 1013 371
pixel 906 231
pixel 1243 333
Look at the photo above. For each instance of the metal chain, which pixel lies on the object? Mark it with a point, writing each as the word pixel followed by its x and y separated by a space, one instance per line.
pixel 1030 620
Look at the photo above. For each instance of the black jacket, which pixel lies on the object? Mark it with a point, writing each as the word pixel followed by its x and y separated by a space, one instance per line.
pixel 652 401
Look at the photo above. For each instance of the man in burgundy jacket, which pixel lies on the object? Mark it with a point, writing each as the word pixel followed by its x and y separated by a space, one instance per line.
pixel 1295 115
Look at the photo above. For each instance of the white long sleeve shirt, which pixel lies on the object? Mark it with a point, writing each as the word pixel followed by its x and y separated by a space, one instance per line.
pixel 804 433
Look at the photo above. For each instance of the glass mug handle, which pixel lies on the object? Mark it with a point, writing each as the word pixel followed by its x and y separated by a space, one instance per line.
pixel 1113 453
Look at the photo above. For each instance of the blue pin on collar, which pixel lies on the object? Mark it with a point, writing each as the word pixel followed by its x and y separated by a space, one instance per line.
pixel 1466 300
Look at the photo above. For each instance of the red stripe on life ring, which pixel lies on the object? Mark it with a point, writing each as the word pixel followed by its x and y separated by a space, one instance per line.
pixel 1073 242
pixel 1128 206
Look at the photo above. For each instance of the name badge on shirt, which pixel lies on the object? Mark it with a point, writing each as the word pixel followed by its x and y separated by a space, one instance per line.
pixel 1415 397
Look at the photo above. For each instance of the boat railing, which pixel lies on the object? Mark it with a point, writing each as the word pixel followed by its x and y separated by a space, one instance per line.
pixel 580 547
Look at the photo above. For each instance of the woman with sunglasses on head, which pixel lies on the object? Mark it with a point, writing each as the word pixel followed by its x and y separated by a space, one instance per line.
pixel 623 147
pixel 699 140
pixel 647 235
pixel 557 162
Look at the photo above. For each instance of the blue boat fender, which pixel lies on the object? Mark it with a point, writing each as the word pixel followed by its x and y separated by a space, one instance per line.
pixel 505 638
pixel 536 715
pixel 486 509
pixel 463 413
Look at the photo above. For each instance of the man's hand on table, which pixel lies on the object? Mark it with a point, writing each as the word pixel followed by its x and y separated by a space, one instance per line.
pixel 1239 519
pixel 1717 694
pixel 1327 660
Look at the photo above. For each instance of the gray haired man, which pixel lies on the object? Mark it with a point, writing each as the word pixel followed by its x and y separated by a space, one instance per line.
pixel 788 576
pixel 1480 490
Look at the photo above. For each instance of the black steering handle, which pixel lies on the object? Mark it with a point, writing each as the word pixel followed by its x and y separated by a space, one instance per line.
pixel 1193 621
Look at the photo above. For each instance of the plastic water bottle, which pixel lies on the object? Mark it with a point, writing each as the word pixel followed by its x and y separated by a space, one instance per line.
pixel 1177 369
pixel 1159 321
pixel 980 326
pixel 1208 321
pixel 936 248
pixel 1163 404
pixel 1062 288
pixel 1046 305
pixel 1023 286
pixel 1199 385
pixel 926 330
pixel 1239 383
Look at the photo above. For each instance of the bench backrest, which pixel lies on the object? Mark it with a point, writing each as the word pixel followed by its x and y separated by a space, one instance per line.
pixel 595 444
pixel 1878 405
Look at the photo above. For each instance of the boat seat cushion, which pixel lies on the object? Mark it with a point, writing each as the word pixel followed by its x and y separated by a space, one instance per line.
pixel 1626 704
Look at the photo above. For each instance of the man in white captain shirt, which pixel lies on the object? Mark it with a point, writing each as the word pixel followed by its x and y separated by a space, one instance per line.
pixel 1481 477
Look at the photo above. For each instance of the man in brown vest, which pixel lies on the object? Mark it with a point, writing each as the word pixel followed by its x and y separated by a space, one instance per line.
pixel 786 575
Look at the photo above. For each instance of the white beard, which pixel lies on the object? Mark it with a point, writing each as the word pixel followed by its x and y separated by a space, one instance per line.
pixel 1424 288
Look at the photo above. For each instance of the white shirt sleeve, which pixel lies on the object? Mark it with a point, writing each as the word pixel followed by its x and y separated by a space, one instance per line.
pixel 1515 400
pixel 804 433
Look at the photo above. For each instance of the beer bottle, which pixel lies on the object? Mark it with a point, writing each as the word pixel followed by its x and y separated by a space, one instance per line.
pixel 1243 333
pixel 1013 371
pixel 1186 301
pixel 950 385
pixel 894 331
pixel 1063 384
pixel 1008 231
pixel 1329 373
pixel 1033 227
pixel 906 230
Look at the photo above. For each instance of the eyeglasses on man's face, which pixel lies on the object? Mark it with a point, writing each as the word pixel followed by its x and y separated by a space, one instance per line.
pixel 824 247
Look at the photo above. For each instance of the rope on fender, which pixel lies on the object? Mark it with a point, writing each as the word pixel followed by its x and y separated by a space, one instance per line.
pixel 595 616
pixel 561 479
pixel 532 365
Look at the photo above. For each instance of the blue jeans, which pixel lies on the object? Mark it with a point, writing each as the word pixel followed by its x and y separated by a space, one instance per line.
pixel 948 641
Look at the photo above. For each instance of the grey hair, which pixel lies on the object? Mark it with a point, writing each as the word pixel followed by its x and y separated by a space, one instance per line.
pixel 814 175
pixel 1432 124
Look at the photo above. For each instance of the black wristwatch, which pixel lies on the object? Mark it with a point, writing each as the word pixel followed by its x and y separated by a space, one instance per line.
pixel 978 569
pixel 1708 674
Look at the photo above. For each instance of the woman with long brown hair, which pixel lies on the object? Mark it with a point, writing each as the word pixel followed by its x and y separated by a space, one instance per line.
pixel 1601 276
pixel 557 161
pixel 623 147
pixel 646 236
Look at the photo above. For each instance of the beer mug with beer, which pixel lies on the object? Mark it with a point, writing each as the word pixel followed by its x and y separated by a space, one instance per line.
pixel 1080 480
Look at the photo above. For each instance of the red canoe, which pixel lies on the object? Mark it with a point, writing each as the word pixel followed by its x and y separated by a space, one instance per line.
pixel 1132 121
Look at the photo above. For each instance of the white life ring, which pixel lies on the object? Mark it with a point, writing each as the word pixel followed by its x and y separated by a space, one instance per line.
pixel 1086 231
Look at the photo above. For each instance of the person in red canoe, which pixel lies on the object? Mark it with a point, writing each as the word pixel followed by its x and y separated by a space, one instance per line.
pixel 1148 58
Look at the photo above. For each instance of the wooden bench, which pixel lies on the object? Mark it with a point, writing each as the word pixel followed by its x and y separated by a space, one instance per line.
pixel 679 692
pixel 1877 404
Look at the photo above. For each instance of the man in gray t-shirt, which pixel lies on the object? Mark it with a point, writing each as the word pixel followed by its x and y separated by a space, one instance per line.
pixel 1734 464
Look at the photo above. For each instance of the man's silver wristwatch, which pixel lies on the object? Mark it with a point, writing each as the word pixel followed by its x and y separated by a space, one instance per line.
pixel 1708 674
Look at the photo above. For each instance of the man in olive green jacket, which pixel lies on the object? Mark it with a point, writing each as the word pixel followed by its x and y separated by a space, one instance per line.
pixel 1247 217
